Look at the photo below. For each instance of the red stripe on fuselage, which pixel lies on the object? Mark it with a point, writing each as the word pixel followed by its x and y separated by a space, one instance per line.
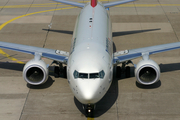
pixel 93 3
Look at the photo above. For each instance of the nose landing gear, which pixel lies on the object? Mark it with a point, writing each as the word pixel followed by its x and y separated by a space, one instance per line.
pixel 89 110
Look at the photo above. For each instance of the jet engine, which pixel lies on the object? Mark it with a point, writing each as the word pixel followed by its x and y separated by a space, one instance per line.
pixel 35 72
pixel 147 72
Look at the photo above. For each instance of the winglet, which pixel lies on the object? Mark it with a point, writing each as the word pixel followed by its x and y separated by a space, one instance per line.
pixel 93 3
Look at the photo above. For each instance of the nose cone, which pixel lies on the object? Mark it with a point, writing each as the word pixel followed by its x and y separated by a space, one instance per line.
pixel 88 96
pixel 89 91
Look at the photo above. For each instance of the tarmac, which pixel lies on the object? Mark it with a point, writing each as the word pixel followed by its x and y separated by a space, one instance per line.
pixel 138 24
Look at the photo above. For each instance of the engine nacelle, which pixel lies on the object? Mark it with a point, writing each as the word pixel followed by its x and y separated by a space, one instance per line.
pixel 147 72
pixel 35 72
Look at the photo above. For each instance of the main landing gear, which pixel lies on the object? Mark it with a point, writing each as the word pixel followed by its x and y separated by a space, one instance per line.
pixel 60 71
pixel 124 70
pixel 89 109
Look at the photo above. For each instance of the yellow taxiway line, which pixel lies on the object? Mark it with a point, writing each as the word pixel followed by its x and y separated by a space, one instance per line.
pixel 90 118
pixel 27 6
pixel 9 57
pixel 9 21
pixel 30 5
pixel 60 5
pixel 20 6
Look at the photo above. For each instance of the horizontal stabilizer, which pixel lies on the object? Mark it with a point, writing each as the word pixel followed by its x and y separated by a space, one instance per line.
pixel 81 5
pixel 107 5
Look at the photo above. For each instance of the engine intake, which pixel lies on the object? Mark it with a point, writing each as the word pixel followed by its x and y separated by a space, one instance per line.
pixel 147 72
pixel 35 72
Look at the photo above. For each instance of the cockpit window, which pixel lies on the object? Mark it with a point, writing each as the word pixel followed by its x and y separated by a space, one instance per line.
pixel 83 75
pixel 94 75
pixel 76 74
pixel 101 74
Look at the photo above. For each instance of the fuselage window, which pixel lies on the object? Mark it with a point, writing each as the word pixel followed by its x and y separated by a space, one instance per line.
pixel 101 74
pixel 94 75
pixel 83 75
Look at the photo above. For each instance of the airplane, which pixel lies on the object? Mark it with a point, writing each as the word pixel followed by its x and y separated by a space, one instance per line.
pixel 89 64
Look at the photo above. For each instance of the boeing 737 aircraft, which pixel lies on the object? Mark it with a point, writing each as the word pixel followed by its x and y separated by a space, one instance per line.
pixel 90 62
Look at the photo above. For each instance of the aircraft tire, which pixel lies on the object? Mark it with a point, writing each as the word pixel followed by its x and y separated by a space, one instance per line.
pixel 127 72
pixel 65 72
pixel 89 110
pixel 118 72
pixel 56 71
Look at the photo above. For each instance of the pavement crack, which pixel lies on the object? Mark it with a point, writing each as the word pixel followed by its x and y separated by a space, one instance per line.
pixel 169 22
pixel 4 5
pixel 30 6
pixel 49 26
pixel 24 105
pixel 117 110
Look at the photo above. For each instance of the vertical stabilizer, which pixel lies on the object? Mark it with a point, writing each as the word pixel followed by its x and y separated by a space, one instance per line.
pixel 93 3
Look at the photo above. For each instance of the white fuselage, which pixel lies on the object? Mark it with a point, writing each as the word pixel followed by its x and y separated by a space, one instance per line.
pixel 90 64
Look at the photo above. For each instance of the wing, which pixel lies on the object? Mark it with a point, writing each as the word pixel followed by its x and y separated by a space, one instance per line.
pixel 56 55
pixel 107 5
pixel 126 55
pixel 81 5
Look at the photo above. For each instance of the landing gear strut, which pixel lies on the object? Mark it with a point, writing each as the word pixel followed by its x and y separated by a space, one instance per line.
pixel 118 72
pixel 124 69
pixel 127 72
pixel 60 71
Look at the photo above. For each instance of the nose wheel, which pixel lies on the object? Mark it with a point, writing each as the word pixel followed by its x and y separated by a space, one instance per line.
pixel 89 110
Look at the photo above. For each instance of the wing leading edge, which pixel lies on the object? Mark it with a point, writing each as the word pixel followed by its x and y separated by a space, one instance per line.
pixel 57 55
pixel 126 55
